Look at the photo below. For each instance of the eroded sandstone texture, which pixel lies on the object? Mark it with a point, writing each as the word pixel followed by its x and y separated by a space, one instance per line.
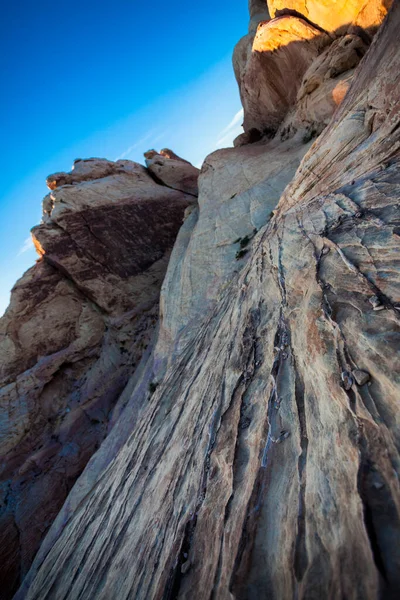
pixel 271 61
pixel 256 454
pixel 78 323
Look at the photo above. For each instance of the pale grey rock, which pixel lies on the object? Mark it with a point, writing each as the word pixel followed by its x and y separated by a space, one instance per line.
pixel 239 188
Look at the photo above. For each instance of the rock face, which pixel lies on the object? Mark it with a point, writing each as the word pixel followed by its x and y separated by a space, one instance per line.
pixel 214 241
pixel 334 16
pixel 324 86
pixel 172 171
pixel 265 463
pixel 284 60
pixel 282 51
pixel 77 326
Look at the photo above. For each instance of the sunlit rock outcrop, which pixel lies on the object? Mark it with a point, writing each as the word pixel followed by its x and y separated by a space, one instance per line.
pixel 235 401
pixel 273 62
pixel 282 51
pixel 324 86
pixel 78 324
pixel 334 16
pixel 265 461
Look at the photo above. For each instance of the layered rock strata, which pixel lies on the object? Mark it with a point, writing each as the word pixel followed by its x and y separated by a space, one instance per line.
pixel 265 463
pixel 78 324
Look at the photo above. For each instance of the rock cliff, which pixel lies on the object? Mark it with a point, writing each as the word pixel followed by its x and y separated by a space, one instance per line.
pixel 77 326
pixel 255 451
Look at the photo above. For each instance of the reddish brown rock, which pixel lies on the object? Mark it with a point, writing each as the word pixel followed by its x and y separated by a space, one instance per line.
pixel 78 324
pixel 270 75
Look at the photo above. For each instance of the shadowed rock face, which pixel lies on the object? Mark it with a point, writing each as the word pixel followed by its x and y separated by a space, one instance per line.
pixel 77 326
pixel 281 52
pixel 173 171
pixel 324 85
pixel 273 64
pixel 265 463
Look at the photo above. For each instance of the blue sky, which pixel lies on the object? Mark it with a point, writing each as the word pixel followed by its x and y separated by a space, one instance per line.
pixel 96 78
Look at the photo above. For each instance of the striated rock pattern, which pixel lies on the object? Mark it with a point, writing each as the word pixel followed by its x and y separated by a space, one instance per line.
pixel 214 241
pixel 77 326
pixel 265 461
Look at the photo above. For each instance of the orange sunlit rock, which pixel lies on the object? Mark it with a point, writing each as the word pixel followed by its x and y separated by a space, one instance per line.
pixel 38 246
pixel 333 15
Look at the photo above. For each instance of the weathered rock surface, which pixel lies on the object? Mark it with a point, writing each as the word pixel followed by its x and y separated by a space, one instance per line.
pixel 334 16
pixel 88 169
pixel 281 52
pixel 171 170
pixel 276 65
pixel 215 238
pixel 324 86
pixel 264 464
pixel 77 326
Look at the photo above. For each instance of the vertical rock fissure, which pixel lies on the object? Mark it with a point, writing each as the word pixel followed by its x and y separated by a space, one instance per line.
pixel 251 365
pixel 234 482
pixel 300 555
pixel 173 585
pixel 172 588
pixel 362 483
pixel 253 510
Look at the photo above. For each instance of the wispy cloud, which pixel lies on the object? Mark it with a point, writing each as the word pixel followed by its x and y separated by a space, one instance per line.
pixel 129 150
pixel 159 137
pixel 232 130
pixel 140 144
pixel 26 246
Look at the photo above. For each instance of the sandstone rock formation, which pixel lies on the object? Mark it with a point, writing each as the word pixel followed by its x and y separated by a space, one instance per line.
pixel 78 323
pixel 276 64
pixel 215 239
pixel 265 463
pixel 334 16
pixel 281 52
pixel 324 86
pixel 171 170
pixel 253 446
